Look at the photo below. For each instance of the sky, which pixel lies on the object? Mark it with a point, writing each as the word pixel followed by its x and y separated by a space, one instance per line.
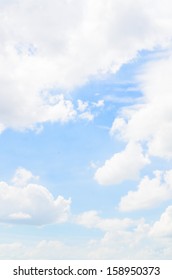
pixel 85 129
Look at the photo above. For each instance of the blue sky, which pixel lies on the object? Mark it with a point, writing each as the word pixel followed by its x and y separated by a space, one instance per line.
pixel 85 121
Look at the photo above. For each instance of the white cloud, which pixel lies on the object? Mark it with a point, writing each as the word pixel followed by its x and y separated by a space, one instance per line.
pixel 22 177
pixel 99 103
pixel 122 166
pixel 19 216
pixel 85 109
pixel 150 192
pixel 82 106
pixel 124 238
pixel 30 203
pixel 121 239
pixel 150 121
pixel 63 45
pixel 118 124
pixel 91 219
pixel 163 227
pixel 43 250
pixel 86 116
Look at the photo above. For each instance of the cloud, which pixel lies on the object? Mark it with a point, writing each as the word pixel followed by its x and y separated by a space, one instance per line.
pixel 128 238
pixel 121 239
pixel 91 219
pixel 82 106
pixel 86 116
pixel 99 103
pixel 29 203
pixel 43 250
pixel 125 238
pixel 19 216
pixel 63 45
pixel 22 177
pixel 149 124
pixel 122 166
pixel 150 192
pixel 150 121
pixel 163 227
pixel 85 109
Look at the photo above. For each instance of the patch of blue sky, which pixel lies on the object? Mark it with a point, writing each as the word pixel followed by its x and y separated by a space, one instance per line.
pixel 25 49
pixel 61 156
pixel 62 153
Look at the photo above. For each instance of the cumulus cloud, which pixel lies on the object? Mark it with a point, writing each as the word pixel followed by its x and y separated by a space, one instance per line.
pixel 64 44
pixel 129 238
pixel 150 192
pixel 30 203
pixel 163 227
pixel 151 121
pixel 122 166
pixel 121 238
pixel 126 238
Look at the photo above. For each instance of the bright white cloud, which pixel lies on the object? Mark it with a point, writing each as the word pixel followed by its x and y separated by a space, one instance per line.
pixel 122 166
pixel 63 45
pixel 163 227
pixel 30 203
pixel 151 121
pixel 150 192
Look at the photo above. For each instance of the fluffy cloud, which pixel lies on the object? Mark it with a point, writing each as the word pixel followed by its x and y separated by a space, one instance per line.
pixel 150 192
pixel 30 203
pixel 163 227
pixel 63 45
pixel 151 121
pixel 121 239
pixel 124 165
pixel 82 106
pixel 127 238
pixel 22 177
